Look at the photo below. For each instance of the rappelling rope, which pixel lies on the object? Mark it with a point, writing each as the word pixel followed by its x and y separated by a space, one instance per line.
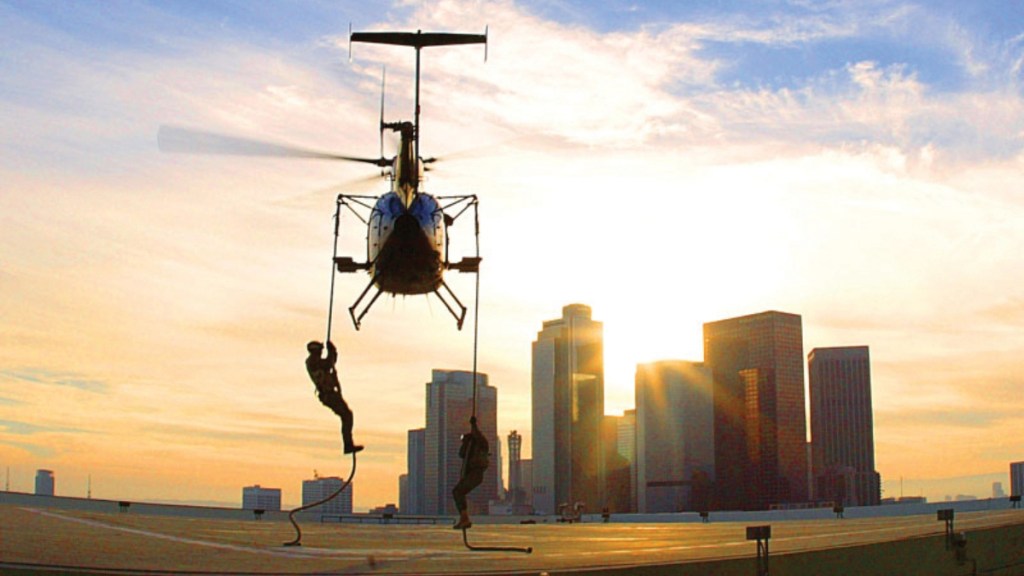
pixel 291 515
pixel 476 304
pixel 330 316
pixel 476 340
pixel 334 258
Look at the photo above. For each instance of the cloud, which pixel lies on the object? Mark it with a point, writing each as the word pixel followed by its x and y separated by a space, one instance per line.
pixel 45 377
pixel 29 429
pixel 42 451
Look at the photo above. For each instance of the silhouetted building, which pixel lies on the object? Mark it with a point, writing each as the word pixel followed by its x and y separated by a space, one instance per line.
pixel 44 483
pixel 403 493
pixel 618 481
pixel 675 445
pixel 416 485
pixel 498 462
pixel 259 498
pixel 842 426
pixel 449 408
pixel 385 510
pixel 568 408
pixel 526 478
pixel 625 443
pixel 760 423
pixel 997 490
pixel 515 485
pixel 319 488
pixel 1016 478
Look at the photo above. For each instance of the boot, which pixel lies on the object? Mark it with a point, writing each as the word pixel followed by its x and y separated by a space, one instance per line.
pixel 464 521
pixel 353 448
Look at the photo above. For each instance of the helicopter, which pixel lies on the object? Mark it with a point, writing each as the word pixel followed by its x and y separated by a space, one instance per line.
pixel 407 228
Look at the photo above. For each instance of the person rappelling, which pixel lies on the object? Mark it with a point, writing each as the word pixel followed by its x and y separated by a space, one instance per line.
pixel 324 375
pixel 475 454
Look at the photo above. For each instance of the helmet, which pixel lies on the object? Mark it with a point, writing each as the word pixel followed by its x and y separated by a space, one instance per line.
pixel 314 346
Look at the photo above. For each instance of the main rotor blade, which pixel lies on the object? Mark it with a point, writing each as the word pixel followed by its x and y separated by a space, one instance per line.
pixel 175 139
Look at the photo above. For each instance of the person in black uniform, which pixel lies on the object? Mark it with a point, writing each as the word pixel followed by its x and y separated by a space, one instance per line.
pixel 328 389
pixel 475 453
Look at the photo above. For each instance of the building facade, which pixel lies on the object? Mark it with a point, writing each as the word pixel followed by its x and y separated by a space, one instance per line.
pixel 320 488
pixel 842 426
pixel 449 408
pixel 618 479
pixel 416 484
pixel 259 498
pixel 626 447
pixel 515 484
pixel 1016 478
pixel 759 410
pixel 568 411
pixel 675 444
pixel 45 483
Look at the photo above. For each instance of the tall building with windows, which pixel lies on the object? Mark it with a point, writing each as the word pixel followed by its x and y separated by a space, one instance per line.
pixel 319 488
pixel 618 489
pixel 568 411
pixel 760 423
pixel 1016 478
pixel 44 483
pixel 675 444
pixel 449 408
pixel 416 483
pixel 842 426
pixel 259 498
pixel 515 483
pixel 625 445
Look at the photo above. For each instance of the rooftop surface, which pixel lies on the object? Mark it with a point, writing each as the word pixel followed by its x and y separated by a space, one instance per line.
pixel 39 539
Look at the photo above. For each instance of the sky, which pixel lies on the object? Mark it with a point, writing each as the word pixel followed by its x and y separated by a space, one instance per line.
pixel 668 164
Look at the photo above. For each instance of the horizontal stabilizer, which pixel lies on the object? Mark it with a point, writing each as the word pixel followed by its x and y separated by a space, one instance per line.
pixel 418 39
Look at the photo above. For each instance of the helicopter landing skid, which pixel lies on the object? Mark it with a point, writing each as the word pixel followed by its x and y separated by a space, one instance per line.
pixel 459 314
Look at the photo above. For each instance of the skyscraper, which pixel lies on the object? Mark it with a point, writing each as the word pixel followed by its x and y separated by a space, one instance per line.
pixel 403 494
pixel 449 407
pixel 675 444
pixel 842 426
pixel 1016 478
pixel 618 480
pixel 626 447
pixel 319 488
pixel 760 424
pixel 44 483
pixel 416 484
pixel 568 409
pixel 515 484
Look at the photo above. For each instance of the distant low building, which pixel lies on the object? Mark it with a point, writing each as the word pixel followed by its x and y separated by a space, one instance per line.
pixel 44 483
pixel 259 498
pixel 905 500
pixel 320 488
pixel 385 510
pixel 997 490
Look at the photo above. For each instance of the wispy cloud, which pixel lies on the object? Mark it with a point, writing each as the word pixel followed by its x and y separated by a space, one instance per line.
pixel 45 377
pixel 30 429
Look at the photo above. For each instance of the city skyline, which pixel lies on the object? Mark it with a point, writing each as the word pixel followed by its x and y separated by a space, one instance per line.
pixel 568 311
pixel 666 164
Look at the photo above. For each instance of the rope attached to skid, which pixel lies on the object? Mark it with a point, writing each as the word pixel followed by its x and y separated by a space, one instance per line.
pixel 330 316
pixel 476 340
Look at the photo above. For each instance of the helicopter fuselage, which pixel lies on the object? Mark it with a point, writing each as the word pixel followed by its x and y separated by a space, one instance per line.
pixel 405 243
